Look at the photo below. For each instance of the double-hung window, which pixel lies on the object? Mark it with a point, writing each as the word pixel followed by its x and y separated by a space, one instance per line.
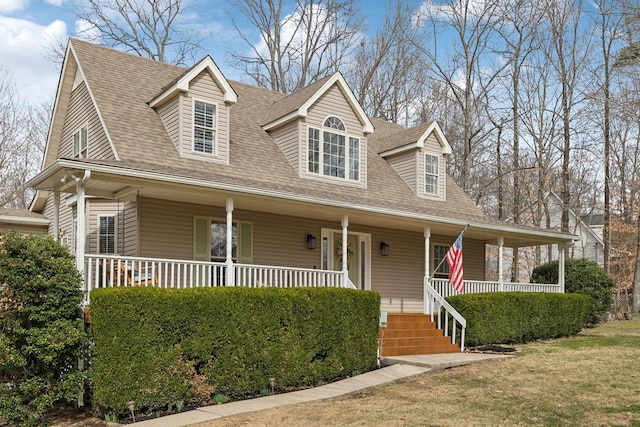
pixel 107 234
pixel 204 127
pixel 441 268
pixel 331 152
pixel 219 241
pixel 430 174
pixel 80 143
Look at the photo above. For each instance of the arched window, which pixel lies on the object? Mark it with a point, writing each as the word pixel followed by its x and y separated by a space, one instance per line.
pixel 337 160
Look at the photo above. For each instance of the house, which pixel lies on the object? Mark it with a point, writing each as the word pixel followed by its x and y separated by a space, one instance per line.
pixel 164 176
pixel 22 221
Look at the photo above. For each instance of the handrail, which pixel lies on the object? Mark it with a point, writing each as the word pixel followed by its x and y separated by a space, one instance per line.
pixel 444 288
pixel 436 302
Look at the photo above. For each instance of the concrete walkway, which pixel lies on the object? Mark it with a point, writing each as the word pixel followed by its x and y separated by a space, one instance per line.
pixel 398 367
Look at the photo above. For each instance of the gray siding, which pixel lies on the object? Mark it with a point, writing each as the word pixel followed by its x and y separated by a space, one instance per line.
pixel 334 103
pixel 81 112
pixel 67 214
pixel 288 138
pixel 203 88
pixel 405 166
pixel 170 116
pixel 166 231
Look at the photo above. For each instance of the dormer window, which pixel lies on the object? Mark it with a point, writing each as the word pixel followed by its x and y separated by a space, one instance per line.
pixel 431 174
pixel 80 143
pixel 338 159
pixel 204 127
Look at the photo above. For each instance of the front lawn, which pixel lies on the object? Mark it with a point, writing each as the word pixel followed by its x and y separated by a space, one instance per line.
pixel 592 379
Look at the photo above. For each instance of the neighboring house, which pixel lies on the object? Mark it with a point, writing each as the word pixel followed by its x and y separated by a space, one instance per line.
pixel 23 221
pixel 588 245
pixel 160 175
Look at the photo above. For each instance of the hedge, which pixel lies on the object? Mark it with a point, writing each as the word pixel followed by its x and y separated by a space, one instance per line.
pixel 159 346
pixel 582 276
pixel 518 317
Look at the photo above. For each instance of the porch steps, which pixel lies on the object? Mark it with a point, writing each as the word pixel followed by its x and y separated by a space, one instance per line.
pixel 408 334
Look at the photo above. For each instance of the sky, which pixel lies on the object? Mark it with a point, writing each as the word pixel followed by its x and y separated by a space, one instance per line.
pixel 27 25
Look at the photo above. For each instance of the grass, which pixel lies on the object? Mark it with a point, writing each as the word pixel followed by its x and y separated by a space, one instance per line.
pixel 592 379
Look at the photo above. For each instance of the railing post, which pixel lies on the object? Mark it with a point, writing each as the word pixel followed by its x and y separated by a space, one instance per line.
pixel 500 256
pixel 425 296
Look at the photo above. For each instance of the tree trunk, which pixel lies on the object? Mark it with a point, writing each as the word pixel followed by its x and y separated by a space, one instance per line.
pixel 636 275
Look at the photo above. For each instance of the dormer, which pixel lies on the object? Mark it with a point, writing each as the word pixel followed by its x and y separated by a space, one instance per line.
pixel 418 155
pixel 195 110
pixel 322 130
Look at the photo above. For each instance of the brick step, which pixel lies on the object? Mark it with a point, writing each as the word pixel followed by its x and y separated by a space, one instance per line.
pixel 411 333
pixel 422 349
pixel 408 342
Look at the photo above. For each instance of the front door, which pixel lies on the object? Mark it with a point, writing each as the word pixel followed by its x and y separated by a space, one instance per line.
pixel 358 255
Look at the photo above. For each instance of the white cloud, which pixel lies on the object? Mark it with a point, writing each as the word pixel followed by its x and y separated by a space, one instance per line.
pixel 54 2
pixel 9 6
pixel 23 45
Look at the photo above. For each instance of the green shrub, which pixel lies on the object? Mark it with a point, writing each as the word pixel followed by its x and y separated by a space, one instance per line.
pixel 582 276
pixel 41 331
pixel 517 317
pixel 233 338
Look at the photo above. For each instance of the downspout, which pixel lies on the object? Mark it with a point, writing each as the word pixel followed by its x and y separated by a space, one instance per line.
pixel 56 215
pixel 229 260
pixel 345 268
pixel 81 232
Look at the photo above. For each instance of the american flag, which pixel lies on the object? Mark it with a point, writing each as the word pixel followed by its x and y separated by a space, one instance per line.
pixel 454 259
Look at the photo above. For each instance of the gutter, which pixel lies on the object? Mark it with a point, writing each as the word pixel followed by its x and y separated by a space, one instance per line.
pixel 180 180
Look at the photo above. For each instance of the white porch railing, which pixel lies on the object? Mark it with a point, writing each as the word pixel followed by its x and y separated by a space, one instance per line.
pixel 111 270
pixel 444 288
pixel 436 305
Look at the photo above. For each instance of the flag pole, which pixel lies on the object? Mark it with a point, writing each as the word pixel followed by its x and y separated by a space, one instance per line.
pixel 444 258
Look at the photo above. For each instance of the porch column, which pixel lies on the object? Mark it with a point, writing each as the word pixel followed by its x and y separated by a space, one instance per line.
pixel 500 254
pixel 561 267
pixel 427 276
pixel 345 268
pixel 229 261
pixel 81 227
pixel 56 215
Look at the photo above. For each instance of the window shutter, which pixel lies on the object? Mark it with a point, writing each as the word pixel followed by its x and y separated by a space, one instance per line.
pixel 201 239
pixel 245 239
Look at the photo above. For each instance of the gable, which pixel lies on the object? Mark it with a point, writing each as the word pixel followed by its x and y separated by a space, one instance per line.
pixel 82 112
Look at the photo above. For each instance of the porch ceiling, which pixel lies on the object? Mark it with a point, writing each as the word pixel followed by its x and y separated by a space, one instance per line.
pixel 115 183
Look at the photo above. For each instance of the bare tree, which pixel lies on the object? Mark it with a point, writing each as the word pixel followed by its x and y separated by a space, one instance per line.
pixel 21 143
pixel 298 47
pixel 466 68
pixel 387 68
pixel 149 28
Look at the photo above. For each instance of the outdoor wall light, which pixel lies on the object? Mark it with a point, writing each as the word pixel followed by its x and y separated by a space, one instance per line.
pixel 384 249
pixel 311 242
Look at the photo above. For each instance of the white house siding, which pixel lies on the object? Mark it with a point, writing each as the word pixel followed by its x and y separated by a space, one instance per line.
pixel 289 139
pixel 125 213
pixel 334 103
pixel 81 112
pixel 405 165
pixel 170 116
pixel 203 88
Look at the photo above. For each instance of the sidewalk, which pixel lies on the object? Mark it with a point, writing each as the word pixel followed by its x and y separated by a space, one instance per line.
pixel 398 367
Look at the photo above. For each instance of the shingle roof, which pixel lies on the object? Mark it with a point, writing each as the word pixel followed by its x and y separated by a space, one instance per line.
pixel 285 105
pixel 122 84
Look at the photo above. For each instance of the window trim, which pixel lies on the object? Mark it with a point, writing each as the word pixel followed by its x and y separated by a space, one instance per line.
pixel 435 175
pixel 77 151
pixel 214 129
pixel 444 274
pixel 349 172
pixel 115 233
